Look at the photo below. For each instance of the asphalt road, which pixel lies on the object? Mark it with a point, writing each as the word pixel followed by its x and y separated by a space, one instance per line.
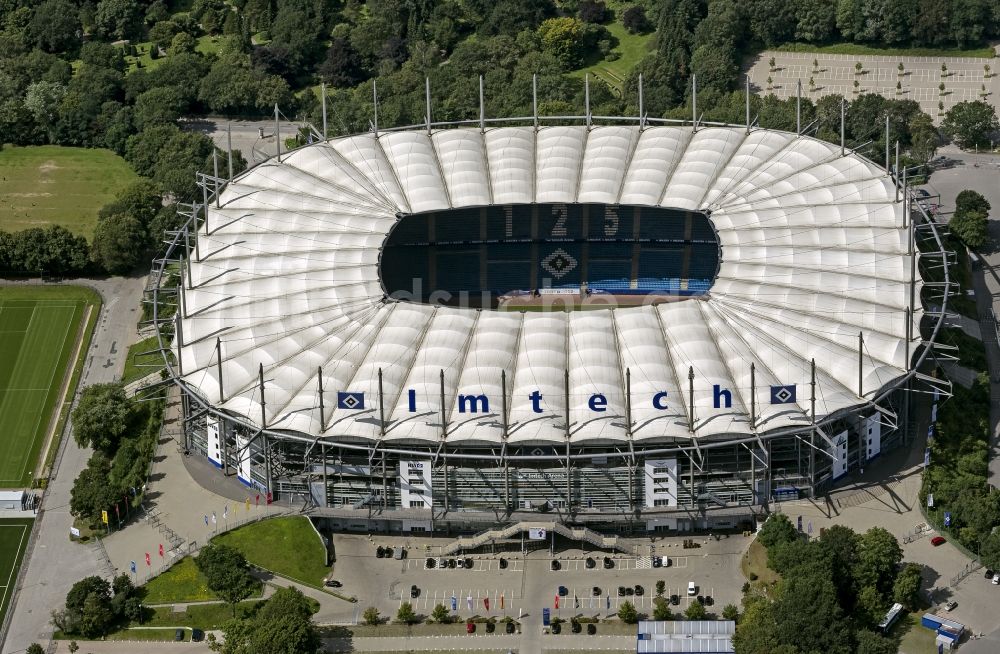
pixel 246 135
pixel 54 563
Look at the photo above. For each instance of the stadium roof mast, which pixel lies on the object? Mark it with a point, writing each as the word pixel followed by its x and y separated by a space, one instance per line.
pixel 375 108
pixel 798 108
pixel 323 94
pixel 642 111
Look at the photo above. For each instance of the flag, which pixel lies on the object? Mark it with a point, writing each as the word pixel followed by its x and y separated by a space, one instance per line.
pixel 248 503
pixel 133 567
pixel 557 601
pixel 454 603
pixel 501 600
pixel 225 513
pixel 104 517
pixel 351 401
pixel 149 561
pixel 206 520
pixel 269 497
pixel 468 602
pixel 486 603
pixel 258 499
pixel 609 602
pixel 117 512
pixel 783 394
pixel 161 550
pixel 214 521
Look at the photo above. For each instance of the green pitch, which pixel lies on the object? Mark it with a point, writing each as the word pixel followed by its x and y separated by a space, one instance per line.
pixel 13 541
pixel 38 331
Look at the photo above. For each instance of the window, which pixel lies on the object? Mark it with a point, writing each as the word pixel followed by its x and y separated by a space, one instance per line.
pixel 417 504
pixel 662 502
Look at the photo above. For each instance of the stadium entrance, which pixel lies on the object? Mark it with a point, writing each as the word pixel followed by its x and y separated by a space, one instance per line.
pixel 481 256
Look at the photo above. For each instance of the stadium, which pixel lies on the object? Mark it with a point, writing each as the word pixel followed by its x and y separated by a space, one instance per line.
pixel 630 324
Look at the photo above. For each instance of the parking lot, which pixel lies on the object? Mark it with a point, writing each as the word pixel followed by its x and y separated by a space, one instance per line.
pixel 525 583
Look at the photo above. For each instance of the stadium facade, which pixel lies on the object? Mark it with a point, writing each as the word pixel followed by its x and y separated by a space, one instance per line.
pixel 347 332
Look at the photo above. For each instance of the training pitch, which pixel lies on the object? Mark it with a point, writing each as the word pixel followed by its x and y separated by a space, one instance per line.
pixel 13 541
pixel 39 329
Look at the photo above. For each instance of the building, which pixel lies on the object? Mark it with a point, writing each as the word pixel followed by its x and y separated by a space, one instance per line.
pixel 696 636
pixel 341 337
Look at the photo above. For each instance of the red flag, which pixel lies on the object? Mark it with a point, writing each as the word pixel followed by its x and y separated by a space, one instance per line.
pixel 148 562
pixel 269 497
pixel 258 499
pixel 161 550
pixel 557 597
pixel 486 603
pixel 116 511
pixel 501 601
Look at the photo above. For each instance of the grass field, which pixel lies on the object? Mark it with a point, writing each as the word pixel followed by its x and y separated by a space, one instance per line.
pixel 855 49
pixel 182 583
pixel 50 184
pixel 138 363
pixel 630 49
pixel 286 546
pixel 39 326
pixel 13 541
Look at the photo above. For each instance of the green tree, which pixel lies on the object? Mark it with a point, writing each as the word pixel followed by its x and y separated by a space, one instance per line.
pixel 227 573
pixel 118 19
pixel 972 227
pixel 96 617
pixel 661 609
pixel 34 648
pixel 870 642
pixel 440 614
pixel 55 26
pixel 870 607
pixel 627 613
pixel 140 199
pixel 730 612
pixel 371 616
pixel 282 626
pixel 815 20
pixel 634 20
pixel 777 529
pixel 990 551
pixel 906 589
pixel 695 611
pixel 406 614
pixel 808 615
pixel 661 586
pixel 840 545
pixel 119 243
pixel 88 605
pixel 157 106
pixel 969 200
pixel 757 630
pixel 91 492
pixel 970 123
pixel 101 417
pixel 878 555
pixel 563 39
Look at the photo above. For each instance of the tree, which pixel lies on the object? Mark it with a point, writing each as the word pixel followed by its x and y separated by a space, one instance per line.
pixel 878 555
pixel 95 617
pixel 695 611
pixel 661 586
pixel 282 626
pixel 772 22
pixel 440 614
pixel 777 529
pixel 118 19
pixel 55 26
pixel 634 20
pixel 34 648
pixel 661 609
pixel 731 612
pixel 870 607
pixel 91 492
pixel 88 607
pixel 972 227
pixel 563 39
pixel 969 200
pixel 971 123
pixel 816 20
pixel 808 615
pixel 371 616
pixel 101 417
pixel 159 105
pixel 906 588
pixel 406 614
pixel 227 572
pixel 870 642
pixel 119 243
pixel 592 11
pixel 990 551
pixel 140 199
pixel 627 613
pixel 342 66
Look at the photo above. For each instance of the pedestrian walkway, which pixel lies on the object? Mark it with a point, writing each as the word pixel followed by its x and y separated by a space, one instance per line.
pixel 178 513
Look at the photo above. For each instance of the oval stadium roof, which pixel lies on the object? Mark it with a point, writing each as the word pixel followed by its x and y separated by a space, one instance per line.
pixel 814 252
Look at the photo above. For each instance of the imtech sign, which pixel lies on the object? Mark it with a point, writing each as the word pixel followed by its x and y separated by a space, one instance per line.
pixel 597 402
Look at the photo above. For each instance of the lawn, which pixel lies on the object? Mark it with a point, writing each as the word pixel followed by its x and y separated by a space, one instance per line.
pixel 914 638
pixel 855 49
pixel 180 584
pixel 206 45
pixel 286 546
pixel 755 562
pixel 13 541
pixel 630 49
pixel 142 360
pixel 49 184
pixel 39 326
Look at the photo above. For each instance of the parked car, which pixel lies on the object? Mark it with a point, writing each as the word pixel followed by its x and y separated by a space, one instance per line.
pixel 989 574
pixel 179 635
pixel 510 628
pixel 460 563
pixel 197 635
pixel 388 552
pixel 639 590
pixel 380 552
pixel 937 540
pixel 692 589
pixel 608 563
pixel 591 563
pixel 563 591
pixel 667 562
pixel 469 564
pixel 430 563
pixel 556 628
pixel 414 591
pixel 554 565
pixel 675 600
pixel 596 591
pixel 400 553
pixel 950 605
pixel 621 591
pixel 332 583
pixel 657 561
pixel 451 564
pixel 996 579
pixel 470 627
pixel 503 564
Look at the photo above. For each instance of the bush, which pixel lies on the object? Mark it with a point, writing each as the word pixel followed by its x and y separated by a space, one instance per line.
pixel 695 611
pixel 627 613
pixel 371 616
pixel 440 614
pixel 635 21
pixel 661 586
pixel 406 614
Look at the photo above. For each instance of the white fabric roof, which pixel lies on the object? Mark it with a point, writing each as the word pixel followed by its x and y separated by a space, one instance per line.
pixel 813 251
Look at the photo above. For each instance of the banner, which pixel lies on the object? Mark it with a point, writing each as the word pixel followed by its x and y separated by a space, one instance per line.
pixel 536 534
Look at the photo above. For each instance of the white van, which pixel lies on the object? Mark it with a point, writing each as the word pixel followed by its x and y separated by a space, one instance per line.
pixel 692 589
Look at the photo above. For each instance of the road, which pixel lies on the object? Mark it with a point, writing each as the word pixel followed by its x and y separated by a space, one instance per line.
pixel 246 135
pixel 54 563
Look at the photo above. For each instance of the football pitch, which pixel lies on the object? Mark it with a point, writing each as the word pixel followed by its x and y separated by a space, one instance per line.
pixel 39 327
pixel 13 541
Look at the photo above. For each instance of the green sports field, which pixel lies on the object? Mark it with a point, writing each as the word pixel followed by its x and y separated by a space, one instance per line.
pixel 39 327
pixel 13 541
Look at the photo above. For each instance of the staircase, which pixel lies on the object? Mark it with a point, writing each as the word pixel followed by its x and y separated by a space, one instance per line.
pixel 582 534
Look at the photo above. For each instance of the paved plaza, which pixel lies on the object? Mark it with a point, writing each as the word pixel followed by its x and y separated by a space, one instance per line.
pixel 964 79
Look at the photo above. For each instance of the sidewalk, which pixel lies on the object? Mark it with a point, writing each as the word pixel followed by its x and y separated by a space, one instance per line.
pixel 178 505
